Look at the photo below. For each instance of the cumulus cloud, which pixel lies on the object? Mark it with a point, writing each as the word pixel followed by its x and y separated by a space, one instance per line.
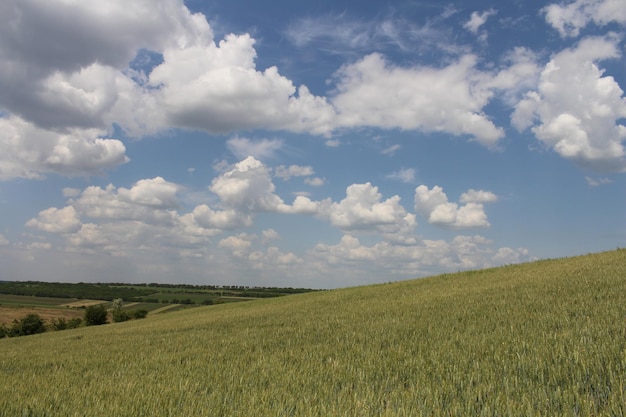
pixel 363 208
pixel 73 86
pixel 373 92
pixel 478 196
pixel 55 220
pixel 569 18
pixel 27 151
pixel 433 205
pixel 217 88
pixel 460 253
pixel 576 109
pixel 248 187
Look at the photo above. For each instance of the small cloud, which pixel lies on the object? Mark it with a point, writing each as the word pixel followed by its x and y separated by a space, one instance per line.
pixel 286 173
pixel 269 235
pixel 333 143
pixel 592 182
pixel 403 175
pixel 477 20
pixel 70 192
pixel 478 196
pixel 390 150
pixel 315 182
pixel 260 149
pixel 3 240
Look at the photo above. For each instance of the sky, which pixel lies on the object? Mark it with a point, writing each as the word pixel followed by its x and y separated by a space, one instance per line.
pixel 307 144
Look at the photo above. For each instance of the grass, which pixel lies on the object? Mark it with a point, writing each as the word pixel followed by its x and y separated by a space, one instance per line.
pixel 540 339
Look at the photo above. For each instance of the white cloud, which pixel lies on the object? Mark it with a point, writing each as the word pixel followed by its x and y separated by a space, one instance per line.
pixel 315 181
pixel 404 175
pixel 54 220
pixel 3 240
pixel 568 19
pixel 239 245
pixel 478 19
pixel 27 151
pixel 364 209
pixel 269 235
pixel 71 87
pixel 434 205
pixel 478 196
pixel 391 150
pixel 596 182
pixel 286 173
pixel 259 149
pixel 373 92
pixel 248 187
pixel 217 88
pixel 576 110
pixel 351 258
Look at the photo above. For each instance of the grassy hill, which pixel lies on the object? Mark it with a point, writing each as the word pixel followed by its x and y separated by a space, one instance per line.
pixel 541 339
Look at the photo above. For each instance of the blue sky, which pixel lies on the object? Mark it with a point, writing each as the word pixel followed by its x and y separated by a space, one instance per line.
pixel 307 144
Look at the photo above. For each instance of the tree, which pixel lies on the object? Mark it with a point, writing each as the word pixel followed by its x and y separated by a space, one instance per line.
pixel 95 315
pixel 117 313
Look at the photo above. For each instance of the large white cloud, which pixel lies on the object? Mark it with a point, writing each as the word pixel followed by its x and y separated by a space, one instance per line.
pixel 576 110
pixel 569 18
pixel 433 205
pixel 28 151
pixel 71 66
pixel 373 92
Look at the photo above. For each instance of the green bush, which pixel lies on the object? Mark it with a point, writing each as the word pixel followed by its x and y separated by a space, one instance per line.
pixel 95 315
pixel 4 331
pixel 140 314
pixel 60 324
pixel 74 323
pixel 31 324
pixel 120 316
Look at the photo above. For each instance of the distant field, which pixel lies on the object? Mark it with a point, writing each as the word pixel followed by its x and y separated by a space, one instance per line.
pixel 541 339
pixel 31 301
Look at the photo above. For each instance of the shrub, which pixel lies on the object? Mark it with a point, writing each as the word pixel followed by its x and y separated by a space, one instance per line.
pixel 120 316
pixel 95 315
pixel 4 331
pixel 60 324
pixel 74 323
pixel 31 324
pixel 140 314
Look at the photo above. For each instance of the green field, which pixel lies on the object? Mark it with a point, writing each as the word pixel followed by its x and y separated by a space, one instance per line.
pixel 541 339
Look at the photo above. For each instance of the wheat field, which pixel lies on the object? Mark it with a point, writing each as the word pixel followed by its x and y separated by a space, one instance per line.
pixel 546 338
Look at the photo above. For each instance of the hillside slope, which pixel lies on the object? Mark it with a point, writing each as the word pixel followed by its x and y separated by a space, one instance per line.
pixel 546 338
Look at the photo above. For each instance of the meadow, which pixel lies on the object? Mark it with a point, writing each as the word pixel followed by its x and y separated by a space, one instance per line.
pixel 546 338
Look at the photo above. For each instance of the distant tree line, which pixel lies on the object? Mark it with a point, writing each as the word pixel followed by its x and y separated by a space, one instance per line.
pixel 106 292
pixel 111 291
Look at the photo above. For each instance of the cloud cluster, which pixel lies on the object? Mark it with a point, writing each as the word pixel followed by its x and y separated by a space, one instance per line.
pixel 64 91
pixel 433 205
pixel 576 110
pixel 148 220
pixel 568 19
